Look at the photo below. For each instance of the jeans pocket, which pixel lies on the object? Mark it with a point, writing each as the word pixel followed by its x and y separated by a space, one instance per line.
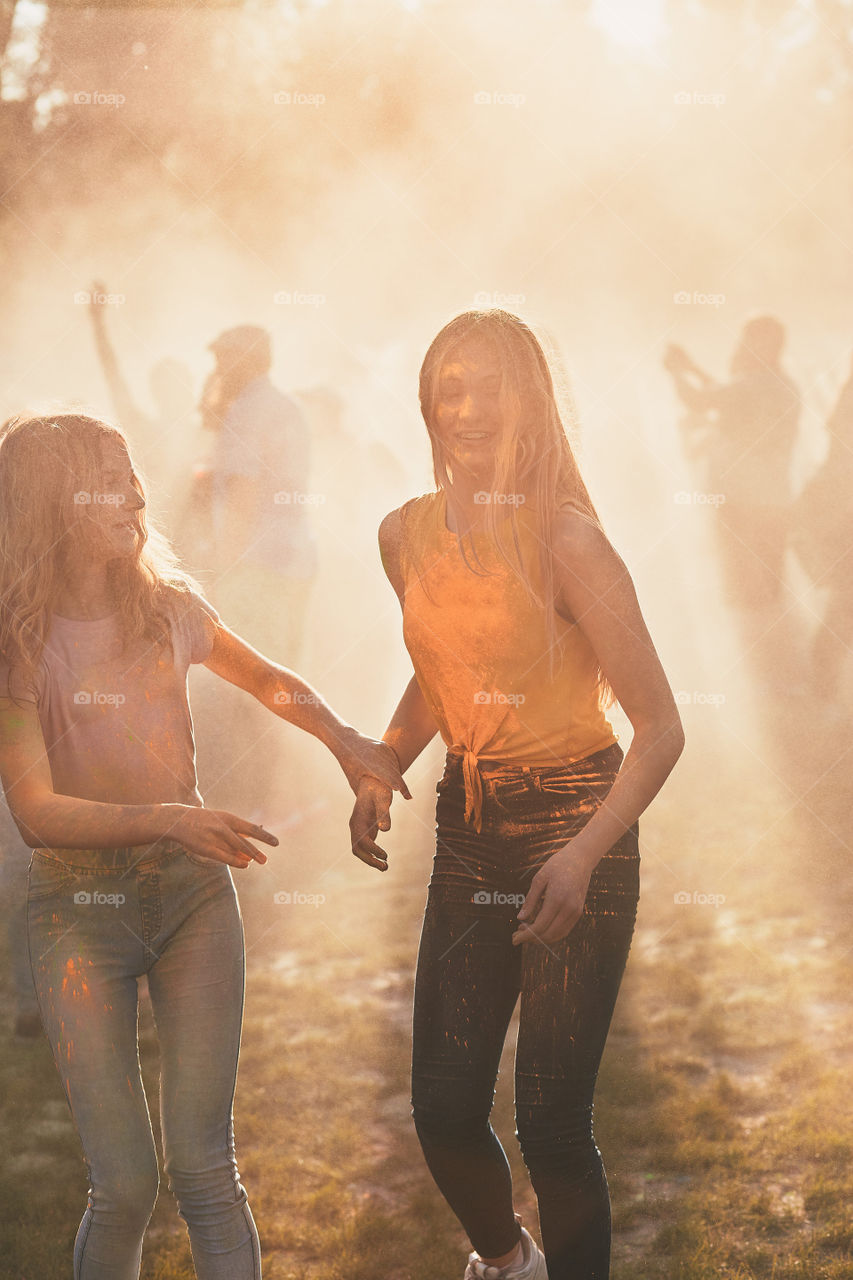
pixel 48 877
pixel 200 860
pixel 448 779
pixel 508 792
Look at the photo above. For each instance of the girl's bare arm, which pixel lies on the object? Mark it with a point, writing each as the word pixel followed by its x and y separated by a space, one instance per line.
pixel 287 695
pixel 410 729
pixel 51 820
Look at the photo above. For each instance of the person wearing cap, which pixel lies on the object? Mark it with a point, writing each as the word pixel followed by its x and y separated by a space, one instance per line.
pixel 261 465
pixel 266 550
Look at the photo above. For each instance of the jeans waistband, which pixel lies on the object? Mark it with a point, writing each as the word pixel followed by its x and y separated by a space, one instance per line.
pixel 113 859
pixel 474 770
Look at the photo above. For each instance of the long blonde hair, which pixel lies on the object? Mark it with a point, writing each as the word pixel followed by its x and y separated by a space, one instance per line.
pixel 44 461
pixel 533 455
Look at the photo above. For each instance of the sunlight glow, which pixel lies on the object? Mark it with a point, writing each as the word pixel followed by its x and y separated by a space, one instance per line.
pixel 635 24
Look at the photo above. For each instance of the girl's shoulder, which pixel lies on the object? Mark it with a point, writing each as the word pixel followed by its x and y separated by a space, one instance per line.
pixel 425 504
pixel 179 597
pixel 406 523
pixel 191 617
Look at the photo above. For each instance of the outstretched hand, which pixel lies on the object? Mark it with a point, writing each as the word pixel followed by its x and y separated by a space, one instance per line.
pixel 359 756
pixel 219 835
pixel 371 814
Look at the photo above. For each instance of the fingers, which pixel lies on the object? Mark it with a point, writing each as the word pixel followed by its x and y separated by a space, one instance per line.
pixel 250 851
pixel 535 929
pixel 547 931
pixel 216 854
pixel 364 824
pixel 389 775
pixel 237 861
pixel 237 828
pixel 533 898
pixel 249 828
pixel 388 770
pixel 371 805
pixel 236 852
pixel 371 854
pixel 535 915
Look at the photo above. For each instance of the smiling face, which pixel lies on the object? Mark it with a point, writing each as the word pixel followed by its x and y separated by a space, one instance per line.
pixel 468 414
pixel 115 506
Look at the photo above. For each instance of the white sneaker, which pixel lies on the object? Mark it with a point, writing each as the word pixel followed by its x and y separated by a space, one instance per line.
pixel 531 1267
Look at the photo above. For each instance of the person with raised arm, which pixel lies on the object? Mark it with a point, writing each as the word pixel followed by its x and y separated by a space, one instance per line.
pixel 744 432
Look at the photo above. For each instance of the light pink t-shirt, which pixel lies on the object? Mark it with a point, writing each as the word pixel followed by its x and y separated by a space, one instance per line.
pixel 117 726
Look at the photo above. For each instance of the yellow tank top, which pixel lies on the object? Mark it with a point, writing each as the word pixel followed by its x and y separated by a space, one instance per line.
pixel 479 647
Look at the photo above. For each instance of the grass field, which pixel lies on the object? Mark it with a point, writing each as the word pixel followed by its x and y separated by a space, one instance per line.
pixel 723 1108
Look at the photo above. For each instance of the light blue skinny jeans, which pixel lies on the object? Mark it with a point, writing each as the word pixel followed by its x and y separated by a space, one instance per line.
pixel 97 920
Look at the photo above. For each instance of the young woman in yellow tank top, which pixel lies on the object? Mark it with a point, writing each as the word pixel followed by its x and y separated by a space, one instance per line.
pixel 523 625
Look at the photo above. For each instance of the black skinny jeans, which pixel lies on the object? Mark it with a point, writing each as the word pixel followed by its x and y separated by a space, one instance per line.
pixel 469 978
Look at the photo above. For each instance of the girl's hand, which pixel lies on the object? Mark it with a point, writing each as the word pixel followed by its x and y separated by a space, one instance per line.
pixel 371 814
pixel 218 835
pixel 554 903
pixel 358 756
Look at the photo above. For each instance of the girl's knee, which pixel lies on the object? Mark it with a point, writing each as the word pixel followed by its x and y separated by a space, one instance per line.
pixel 126 1199
pixel 449 1124
pixel 201 1191
pixel 559 1142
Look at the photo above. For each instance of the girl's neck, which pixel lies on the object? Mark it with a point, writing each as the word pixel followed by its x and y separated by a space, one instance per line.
pixel 86 594
pixel 466 506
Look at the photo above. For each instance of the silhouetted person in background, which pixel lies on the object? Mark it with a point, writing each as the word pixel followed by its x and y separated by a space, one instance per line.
pixel 824 542
pixel 266 552
pixel 194 534
pixel 14 864
pixel 169 380
pixel 745 430
pixel 187 487
pixel 261 460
